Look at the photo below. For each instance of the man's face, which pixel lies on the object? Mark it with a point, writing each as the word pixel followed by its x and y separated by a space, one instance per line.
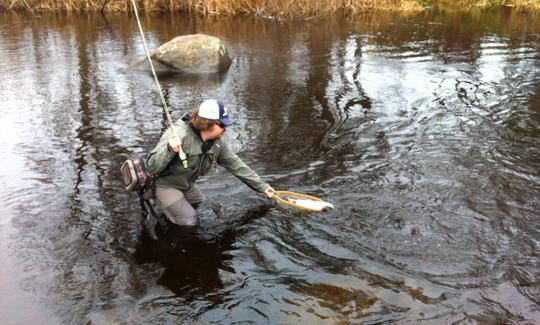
pixel 217 131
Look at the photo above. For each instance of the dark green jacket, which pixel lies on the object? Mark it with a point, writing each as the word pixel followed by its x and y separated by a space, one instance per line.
pixel 199 162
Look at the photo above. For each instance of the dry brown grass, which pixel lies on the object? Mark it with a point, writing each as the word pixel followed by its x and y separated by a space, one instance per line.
pixel 272 8
pixel 468 5
pixel 282 9
pixel 524 4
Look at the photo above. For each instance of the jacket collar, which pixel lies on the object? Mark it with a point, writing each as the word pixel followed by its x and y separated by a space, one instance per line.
pixel 207 146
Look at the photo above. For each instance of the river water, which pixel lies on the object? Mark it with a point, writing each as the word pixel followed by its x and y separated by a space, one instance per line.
pixel 423 132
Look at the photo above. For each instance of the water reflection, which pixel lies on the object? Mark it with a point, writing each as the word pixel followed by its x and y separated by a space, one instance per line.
pixel 423 131
pixel 192 258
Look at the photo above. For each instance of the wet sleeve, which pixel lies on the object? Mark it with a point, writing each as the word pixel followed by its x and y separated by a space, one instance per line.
pixel 160 157
pixel 228 159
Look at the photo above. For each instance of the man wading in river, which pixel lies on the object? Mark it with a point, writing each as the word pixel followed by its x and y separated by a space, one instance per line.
pixel 200 139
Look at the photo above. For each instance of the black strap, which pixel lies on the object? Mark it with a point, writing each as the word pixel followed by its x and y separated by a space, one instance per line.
pixel 147 206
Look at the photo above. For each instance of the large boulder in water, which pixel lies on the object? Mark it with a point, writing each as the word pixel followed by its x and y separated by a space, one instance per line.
pixel 197 54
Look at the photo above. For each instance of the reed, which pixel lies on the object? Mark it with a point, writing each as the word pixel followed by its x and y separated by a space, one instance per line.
pixel 282 9
pixel 269 8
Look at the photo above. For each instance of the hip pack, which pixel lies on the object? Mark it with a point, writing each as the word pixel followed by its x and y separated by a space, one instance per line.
pixel 135 175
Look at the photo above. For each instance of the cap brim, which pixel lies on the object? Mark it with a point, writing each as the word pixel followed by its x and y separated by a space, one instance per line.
pixel 226 121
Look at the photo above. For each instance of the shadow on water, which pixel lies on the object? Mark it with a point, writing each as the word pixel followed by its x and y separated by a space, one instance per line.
pixel 193 257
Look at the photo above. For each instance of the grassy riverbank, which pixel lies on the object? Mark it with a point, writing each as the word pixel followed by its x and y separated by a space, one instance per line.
pixel 468 5
pixel 274 8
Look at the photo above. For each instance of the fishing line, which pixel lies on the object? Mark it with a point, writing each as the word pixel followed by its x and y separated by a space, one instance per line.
pixel 297 200
pixel 181 153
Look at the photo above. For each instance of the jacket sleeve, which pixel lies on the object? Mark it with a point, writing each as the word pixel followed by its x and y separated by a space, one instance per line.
pixel 228 159
pixel 160 157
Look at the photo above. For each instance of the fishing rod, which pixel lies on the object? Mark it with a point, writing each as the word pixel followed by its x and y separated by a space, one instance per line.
pixel 181 153
pixel 297 200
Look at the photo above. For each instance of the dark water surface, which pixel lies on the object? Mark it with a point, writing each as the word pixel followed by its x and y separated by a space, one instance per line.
pixel 423 131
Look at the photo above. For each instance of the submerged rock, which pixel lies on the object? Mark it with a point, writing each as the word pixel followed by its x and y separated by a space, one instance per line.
pixel 195 54
pixel 161 69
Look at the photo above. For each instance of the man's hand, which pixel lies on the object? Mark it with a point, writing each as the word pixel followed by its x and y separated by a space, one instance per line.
pixel 269 191
pixel 174 143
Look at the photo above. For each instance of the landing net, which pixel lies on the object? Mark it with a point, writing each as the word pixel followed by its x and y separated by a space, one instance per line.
pixel 301 201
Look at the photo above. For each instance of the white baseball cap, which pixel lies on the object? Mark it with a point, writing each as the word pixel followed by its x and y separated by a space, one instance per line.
pixel 215 110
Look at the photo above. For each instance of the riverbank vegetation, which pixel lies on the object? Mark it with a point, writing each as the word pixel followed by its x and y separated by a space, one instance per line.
pixel 265 8
pixel 469 5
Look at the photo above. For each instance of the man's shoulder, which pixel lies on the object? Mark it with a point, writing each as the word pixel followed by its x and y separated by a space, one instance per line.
pixel 222 143
pixel 181 124
pixel 223 146
pixel 182 128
